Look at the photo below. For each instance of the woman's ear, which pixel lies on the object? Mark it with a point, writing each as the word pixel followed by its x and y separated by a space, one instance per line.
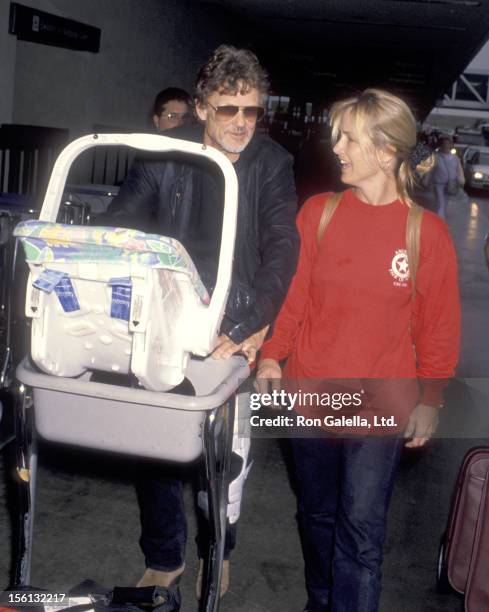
pixel 386 157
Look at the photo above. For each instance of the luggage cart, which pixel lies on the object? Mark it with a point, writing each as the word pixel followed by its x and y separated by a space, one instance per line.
pixel 63 404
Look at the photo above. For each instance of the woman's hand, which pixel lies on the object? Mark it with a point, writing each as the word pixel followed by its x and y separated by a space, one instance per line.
pixel 268 376
pixel 421 426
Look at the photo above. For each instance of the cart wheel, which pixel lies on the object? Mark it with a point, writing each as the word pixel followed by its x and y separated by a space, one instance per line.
pixel 442 582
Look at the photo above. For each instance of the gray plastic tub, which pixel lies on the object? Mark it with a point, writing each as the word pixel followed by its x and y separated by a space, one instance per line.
pixel 132 421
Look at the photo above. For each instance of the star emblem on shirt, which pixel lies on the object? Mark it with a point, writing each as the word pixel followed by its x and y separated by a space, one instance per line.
pixel 400 265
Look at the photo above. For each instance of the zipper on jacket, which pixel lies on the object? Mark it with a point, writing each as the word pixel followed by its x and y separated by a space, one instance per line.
pixel 178 195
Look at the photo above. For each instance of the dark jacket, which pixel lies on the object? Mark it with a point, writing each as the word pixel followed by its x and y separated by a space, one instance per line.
pixel 181 196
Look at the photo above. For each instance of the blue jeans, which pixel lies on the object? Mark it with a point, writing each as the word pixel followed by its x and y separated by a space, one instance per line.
pixel 344 490
pixel 163 523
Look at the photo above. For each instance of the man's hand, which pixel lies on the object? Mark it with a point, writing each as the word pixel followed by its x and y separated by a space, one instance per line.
pixel 252 345
pixel 269 374
pixel 226 347
pixel 421 426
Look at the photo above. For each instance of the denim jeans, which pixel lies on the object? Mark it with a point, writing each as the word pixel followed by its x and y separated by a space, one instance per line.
pixel 161 507
pixel 163 523
pixel 344 489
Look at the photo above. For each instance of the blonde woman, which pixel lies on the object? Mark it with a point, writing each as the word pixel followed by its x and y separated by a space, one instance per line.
pixel 374 303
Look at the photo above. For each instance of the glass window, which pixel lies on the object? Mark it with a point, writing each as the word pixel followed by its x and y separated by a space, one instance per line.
pixel 482 158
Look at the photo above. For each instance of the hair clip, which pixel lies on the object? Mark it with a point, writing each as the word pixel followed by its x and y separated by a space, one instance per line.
pixel 419 154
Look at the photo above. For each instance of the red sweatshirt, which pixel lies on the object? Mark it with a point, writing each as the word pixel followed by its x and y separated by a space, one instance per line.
pixel 349 312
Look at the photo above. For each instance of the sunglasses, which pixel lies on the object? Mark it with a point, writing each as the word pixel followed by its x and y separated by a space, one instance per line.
pixel 176 116
pixel 227 112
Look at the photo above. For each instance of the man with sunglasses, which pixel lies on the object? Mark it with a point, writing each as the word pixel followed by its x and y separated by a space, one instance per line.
pixel 183 198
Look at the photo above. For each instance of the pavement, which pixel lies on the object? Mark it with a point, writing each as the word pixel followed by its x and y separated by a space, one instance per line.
pixel 87 523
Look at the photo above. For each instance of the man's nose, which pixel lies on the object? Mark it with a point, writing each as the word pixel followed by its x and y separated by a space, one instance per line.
pixel 239 119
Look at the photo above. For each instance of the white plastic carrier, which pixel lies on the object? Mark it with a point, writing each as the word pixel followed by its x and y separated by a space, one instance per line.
pixel 120 300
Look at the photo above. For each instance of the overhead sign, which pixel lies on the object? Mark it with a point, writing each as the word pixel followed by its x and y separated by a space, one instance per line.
pixel 37 26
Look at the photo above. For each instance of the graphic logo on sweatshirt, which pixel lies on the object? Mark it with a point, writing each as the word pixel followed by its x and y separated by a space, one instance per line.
pixel 400 268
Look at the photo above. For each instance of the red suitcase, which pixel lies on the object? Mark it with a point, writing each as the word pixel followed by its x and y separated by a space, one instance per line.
pixel 463 561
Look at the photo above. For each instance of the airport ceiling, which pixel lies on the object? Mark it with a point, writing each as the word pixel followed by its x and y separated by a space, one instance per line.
pixel 325 49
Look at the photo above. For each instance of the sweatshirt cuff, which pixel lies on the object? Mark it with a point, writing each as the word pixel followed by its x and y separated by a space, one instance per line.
pixel 269 351
pixel 432 391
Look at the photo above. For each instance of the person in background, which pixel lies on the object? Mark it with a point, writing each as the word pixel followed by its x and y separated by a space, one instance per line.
pixel 374 310
pixel 447 176
pixel 172 107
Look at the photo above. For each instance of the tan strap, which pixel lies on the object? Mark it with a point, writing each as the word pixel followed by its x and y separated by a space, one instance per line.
pixel 330 206
pixel 413 241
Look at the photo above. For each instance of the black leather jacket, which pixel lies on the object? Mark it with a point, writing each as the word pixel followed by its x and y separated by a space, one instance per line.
pixel 163 194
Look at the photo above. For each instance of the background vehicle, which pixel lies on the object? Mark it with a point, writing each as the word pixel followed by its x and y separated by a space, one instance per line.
pixel 476 167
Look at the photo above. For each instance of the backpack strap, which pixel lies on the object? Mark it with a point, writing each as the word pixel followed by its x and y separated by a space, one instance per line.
pixel 330 206
pixel 413 237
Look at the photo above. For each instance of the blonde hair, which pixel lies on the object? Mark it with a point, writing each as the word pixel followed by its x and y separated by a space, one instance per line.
pixel 383 121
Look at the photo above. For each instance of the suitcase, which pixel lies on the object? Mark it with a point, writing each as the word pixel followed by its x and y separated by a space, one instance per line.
pixel 463 559
pixel 477 591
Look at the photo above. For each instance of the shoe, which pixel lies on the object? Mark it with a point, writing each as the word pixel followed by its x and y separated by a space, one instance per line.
pixel 153 577
pixel 169 600
pixel 224 578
